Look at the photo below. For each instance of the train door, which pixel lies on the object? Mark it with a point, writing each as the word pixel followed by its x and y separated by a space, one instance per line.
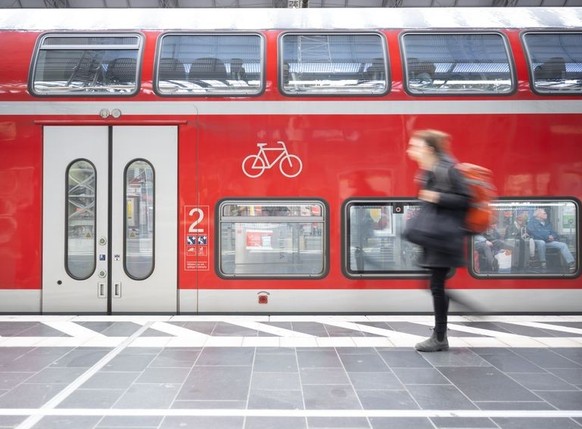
pixel 109 219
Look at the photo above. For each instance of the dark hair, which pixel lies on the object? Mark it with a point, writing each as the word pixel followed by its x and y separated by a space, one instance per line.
pixel 438 140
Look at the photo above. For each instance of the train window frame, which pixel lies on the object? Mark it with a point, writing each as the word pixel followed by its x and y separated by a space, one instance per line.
pixel 236 90
pixel 273 219
pixel 399 207
pixel 99 75
pixel 426 69
pixel 284 68
pixel 555 85
pixel 512 211
pixel 67 219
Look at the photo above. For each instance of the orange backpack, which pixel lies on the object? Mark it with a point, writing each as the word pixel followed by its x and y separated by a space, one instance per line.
pixel 480 183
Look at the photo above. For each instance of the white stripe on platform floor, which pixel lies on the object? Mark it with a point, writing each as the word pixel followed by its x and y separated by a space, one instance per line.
pixel 41 412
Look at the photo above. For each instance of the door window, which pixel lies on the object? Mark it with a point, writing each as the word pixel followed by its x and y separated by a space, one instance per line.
pixel 81 205
pixel 139 219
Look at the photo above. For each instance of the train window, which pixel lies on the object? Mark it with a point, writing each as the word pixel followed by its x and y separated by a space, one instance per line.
pixel 272 238
pixel 81 209
pixel 330 64
pixel 91 64
pixel 210 64
pixel 374 243
pixel 555 61
pixel 529 238
pixel 139 219
pixel 457 64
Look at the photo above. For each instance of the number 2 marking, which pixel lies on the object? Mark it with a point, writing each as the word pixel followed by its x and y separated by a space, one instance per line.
pixel 193 225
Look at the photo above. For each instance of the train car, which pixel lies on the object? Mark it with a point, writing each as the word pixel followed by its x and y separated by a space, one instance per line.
pixel 254 161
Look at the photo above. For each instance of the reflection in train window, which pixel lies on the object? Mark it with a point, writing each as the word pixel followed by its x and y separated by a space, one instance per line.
pixel 529 238
pixel 81 209
pixel 555 61
pixel 90 64
pixel 333 64
pixel 210 64
pixel 375 246
pixel 272 238
pixel 457 63
pixel 139 219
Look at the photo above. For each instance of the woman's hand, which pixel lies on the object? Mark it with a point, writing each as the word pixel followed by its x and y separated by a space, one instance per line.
pixel 429 196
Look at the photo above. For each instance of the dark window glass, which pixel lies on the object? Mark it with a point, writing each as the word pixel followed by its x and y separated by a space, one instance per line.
pixel 555 61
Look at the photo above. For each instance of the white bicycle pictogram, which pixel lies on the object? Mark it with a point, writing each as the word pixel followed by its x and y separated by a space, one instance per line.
pixel 255 165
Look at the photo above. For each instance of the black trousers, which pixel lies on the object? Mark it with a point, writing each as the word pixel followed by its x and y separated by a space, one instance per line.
pixel 440 300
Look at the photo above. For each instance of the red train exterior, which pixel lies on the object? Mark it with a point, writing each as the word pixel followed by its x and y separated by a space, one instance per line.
pixel 352 150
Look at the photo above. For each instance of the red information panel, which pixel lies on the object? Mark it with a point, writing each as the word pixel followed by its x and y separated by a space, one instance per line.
pixel 196 236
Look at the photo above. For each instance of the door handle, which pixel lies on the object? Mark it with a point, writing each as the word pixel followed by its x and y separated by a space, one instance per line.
pixel 101 288
pixel 117 290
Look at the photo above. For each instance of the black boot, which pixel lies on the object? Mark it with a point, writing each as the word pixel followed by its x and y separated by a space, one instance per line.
pixel 432 344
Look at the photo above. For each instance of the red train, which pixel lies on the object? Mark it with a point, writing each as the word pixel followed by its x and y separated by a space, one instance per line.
pixel 253 161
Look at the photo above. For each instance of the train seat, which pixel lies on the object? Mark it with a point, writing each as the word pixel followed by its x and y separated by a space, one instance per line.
pixel 171 69
pixel 121 70
pixel 209 68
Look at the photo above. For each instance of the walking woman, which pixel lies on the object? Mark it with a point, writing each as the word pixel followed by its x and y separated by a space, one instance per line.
pixel 445 199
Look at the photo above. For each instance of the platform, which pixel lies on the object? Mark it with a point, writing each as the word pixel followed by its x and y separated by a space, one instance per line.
pixel 289 372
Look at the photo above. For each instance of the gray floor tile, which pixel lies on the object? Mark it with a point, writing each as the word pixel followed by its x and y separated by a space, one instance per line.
pixel 204 404
pixel 387 400
pixel 338 423
pixel 440 397
pixel 457 357
pixel 324 376
pixel 536 423
pixel 563 400
pixel 509 405
pixel 56 375
pixel 487 384
pixel 11 421
pixel 92 398
pixel 403 358
pixel 420 376
pixel 129 362
pixel 283 363
pixel 573 354
pixel 325 397
pixel 543 381
pixel 364 363
pixel 145 422
pixel 148 396
pixel 254 422
pixel 375 381
pixel 67 422
pixel 506 360
pixel 9 380
pixel 229 330
pixel 275 381
pixel 547 358
pixel 571 375
pixel 29 395
pixel 200 327
pixel 163 375
pixel 175 358
pixel 203 422
pixel 112 329
pixel 401 423
pixel 318 359
pixel 275 399
pixel 336 331
pixel 111 380
pixel 226 356
pixel 463 422
pixel 310 328
pixel 217 383
pixel 28 329
pixel 81 357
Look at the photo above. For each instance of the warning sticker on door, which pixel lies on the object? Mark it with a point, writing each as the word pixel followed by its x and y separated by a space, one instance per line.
pixel 196 238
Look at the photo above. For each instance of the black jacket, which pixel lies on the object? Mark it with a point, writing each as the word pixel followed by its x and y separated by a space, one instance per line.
pixel 453 203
